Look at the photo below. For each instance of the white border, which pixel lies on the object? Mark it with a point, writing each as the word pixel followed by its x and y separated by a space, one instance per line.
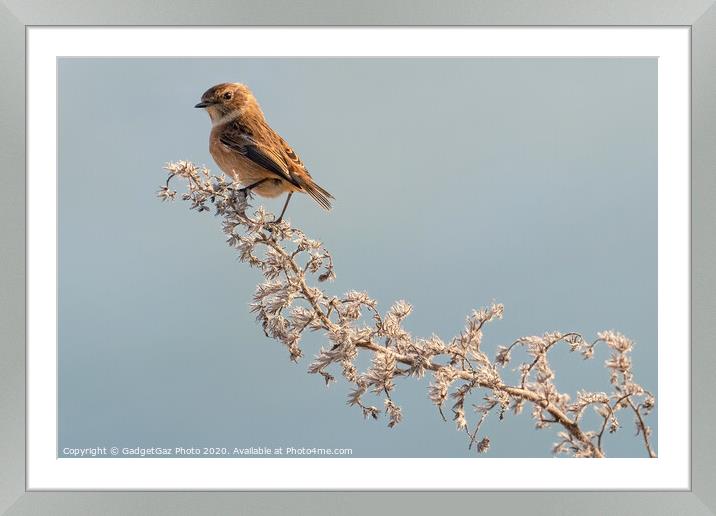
pixel 669 471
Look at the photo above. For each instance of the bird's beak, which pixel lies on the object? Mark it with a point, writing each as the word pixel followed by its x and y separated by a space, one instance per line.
pixel 203 104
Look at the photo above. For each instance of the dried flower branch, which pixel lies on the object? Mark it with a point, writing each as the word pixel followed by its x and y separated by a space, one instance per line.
pixel 287 305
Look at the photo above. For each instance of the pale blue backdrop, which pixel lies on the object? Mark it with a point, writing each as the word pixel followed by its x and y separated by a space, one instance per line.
pixel 531 182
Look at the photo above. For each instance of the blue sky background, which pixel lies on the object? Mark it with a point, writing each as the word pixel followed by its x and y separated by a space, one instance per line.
pixel 530 182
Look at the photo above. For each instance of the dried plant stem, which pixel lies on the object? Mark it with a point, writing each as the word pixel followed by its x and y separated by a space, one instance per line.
pixel 643 429
pixel 288 258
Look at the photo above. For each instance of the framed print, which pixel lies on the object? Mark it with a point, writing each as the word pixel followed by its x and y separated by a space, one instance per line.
pixel 560 112
pixel 486 270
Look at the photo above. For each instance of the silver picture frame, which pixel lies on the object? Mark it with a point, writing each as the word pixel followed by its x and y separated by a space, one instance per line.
pixel 17 15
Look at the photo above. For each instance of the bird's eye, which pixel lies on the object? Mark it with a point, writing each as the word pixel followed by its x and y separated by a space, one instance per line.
pixel 227 95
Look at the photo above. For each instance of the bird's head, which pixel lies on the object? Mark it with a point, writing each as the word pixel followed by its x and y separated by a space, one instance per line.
pixel 226 99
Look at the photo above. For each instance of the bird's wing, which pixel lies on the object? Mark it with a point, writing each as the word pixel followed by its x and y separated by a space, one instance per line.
pixel 289 155
pixel 263 155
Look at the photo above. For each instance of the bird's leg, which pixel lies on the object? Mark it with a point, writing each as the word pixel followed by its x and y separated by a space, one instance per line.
pixel 280 217
pixel 247 189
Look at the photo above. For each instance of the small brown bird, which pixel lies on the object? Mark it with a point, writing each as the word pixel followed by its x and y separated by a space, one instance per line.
pixel 246 148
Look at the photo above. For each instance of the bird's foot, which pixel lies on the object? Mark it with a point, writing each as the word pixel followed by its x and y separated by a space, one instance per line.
pixel 271 225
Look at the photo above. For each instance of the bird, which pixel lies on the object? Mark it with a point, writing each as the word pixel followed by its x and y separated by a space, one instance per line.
pixel 246 148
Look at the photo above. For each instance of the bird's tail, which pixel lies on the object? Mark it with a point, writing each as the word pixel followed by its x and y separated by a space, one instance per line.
pixel 321 196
